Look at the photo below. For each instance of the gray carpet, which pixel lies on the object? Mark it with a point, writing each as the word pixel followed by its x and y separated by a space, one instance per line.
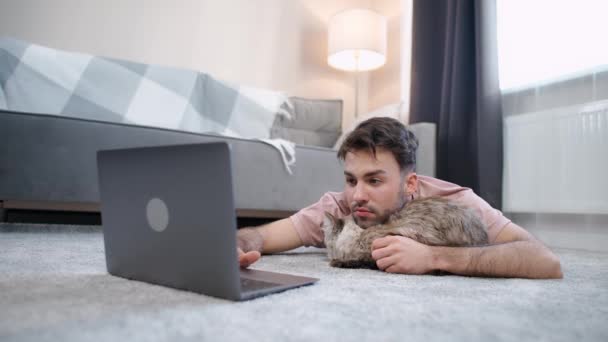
pixel 54 287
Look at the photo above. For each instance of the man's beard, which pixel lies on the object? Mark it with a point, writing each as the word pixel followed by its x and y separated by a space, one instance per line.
pixel 379 217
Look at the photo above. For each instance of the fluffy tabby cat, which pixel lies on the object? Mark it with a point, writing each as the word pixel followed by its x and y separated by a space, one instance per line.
pixel 433 221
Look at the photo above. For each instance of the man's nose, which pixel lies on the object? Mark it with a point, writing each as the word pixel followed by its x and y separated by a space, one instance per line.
pixel 360 194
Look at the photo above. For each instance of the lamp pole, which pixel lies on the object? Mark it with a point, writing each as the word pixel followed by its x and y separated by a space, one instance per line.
pixel 357 33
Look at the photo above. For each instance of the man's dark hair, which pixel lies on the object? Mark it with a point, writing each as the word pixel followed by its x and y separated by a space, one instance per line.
pixel 385 133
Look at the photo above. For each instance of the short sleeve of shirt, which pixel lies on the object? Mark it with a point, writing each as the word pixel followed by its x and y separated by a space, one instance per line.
pixel 492 218
pixel 308 221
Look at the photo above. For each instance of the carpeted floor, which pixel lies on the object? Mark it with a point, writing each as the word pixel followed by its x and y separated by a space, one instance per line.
pixel 54 287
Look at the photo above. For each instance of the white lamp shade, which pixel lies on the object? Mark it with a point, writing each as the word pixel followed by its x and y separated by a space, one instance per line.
pixel 357 40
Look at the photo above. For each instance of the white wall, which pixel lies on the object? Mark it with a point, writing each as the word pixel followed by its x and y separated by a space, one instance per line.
pixel 276 44
pixel 385 86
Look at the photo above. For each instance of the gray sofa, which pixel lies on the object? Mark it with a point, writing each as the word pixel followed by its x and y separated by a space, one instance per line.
pixel 48 163
pixel 58 108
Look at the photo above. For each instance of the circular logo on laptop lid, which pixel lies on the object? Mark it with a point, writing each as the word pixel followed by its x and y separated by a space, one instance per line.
pixel 157 214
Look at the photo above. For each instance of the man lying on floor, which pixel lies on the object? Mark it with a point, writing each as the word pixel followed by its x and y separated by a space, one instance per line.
pixel 379 167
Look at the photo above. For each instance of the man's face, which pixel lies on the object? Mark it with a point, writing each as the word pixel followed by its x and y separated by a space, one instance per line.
pixel 375 187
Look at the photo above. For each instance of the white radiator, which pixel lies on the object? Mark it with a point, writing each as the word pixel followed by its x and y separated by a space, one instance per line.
pixel 556 161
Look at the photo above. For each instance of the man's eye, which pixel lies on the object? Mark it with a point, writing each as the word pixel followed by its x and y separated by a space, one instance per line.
pixel 375 181
pixel 350 181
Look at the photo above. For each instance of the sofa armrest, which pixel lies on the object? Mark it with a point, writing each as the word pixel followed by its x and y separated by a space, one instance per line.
pixel 426 132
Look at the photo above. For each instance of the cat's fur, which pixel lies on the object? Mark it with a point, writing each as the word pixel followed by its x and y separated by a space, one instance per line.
pixel 433 221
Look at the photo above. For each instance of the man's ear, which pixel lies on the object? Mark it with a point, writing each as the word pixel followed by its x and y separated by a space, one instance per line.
pixel 411 183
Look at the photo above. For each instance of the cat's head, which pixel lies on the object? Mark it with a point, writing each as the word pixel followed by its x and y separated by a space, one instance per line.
pixel 331 224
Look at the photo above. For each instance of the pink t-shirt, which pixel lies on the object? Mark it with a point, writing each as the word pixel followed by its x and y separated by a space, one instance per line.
pixel 307 221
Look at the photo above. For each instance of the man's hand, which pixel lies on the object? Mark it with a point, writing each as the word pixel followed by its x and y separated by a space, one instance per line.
pixel 398 254
pixel 515 253
pixel 274 237
pixel 246 259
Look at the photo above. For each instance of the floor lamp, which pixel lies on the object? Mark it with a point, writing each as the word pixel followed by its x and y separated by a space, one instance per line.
pixel 356 42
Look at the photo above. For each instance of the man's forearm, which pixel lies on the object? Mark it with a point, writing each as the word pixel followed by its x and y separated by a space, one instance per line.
pixel 274 237
pixel 522 259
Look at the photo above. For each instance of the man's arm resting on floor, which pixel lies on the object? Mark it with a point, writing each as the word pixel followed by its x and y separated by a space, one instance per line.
pixel 515 253
pixel 274 237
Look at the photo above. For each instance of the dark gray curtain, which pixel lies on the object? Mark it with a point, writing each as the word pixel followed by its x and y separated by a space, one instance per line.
pixel 455 85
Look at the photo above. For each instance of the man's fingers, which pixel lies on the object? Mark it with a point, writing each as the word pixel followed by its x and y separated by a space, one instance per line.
pixel 391 269
pixel 380 253
pixel 385 263
pixel 381 242
pixel 246 259
pixel 382 264
pixel 252 256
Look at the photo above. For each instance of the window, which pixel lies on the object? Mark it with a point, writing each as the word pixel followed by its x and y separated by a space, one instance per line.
pixel 541 41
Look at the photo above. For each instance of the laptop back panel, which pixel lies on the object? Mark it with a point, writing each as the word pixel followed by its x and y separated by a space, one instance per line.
pixel 158 205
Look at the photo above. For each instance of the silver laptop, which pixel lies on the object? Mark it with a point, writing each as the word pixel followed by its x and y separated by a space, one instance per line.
pixel 169 218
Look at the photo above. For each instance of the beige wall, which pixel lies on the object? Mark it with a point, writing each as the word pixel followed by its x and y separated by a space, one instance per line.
pixel 391 83
pixel 276 44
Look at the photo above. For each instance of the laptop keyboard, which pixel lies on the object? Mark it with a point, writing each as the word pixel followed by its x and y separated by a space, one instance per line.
pixel 254 285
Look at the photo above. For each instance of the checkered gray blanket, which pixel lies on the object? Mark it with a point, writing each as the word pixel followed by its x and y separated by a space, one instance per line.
pixel 38 79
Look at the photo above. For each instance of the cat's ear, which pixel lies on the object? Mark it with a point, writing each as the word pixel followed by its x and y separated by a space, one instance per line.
pixel 330 220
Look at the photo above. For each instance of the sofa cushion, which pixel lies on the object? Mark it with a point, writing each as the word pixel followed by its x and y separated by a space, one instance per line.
pixel 313 122
pixel 395 111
